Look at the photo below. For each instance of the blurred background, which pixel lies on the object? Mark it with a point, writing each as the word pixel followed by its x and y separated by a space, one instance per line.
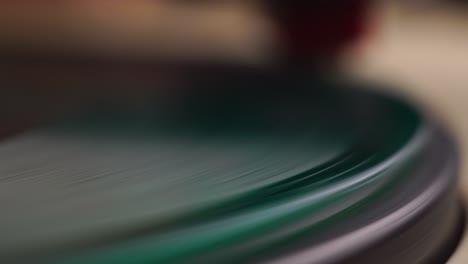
pixel 61 55
pixel 421 47
pixel 58 56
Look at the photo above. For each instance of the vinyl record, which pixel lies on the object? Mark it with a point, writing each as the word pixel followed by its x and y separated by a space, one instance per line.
pixel 244 175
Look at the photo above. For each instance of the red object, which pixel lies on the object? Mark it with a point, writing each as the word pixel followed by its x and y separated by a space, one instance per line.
pixel 320 27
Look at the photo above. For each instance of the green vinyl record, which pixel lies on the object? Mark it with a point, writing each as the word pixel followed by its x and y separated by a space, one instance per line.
pixel 204 180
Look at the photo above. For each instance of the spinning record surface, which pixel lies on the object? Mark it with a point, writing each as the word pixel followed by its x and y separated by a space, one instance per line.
pixel 230 178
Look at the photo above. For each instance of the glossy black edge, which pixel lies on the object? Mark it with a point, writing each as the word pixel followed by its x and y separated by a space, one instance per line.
pixel 424 230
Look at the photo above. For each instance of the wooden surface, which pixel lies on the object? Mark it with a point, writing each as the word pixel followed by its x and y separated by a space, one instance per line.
pixel 425 52
pixel 223 30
